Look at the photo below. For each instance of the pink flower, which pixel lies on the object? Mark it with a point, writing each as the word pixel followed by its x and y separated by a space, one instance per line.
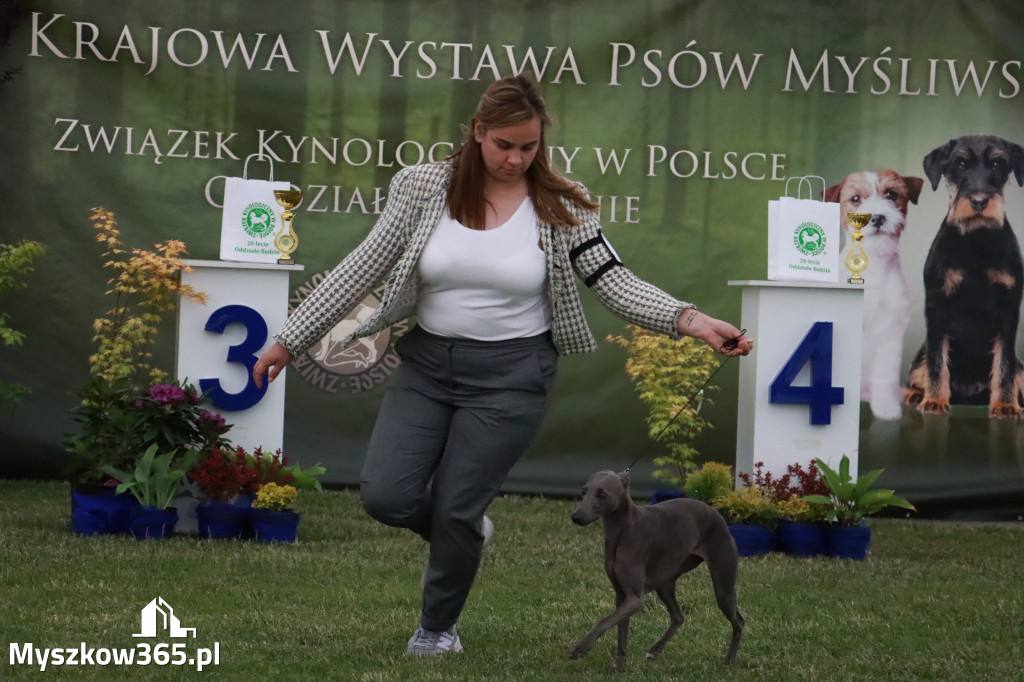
pixel 167 393
pixel 211 423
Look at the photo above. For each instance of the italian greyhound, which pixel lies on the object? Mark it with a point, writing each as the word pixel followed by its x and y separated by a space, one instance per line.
pixel 648 548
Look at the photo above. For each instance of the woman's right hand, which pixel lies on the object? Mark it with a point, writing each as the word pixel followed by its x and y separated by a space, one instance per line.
pixel 723 337
pixel 270 364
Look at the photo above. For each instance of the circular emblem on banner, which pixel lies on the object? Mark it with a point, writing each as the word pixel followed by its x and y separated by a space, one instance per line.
pixel 358 366
pixel 258 220
pixel 809 239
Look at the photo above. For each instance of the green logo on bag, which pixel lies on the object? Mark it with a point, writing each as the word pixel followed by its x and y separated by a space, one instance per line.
pixel 809 239
pixel 258 220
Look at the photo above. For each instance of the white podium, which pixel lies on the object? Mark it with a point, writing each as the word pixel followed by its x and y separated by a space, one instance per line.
pixel 220 341
pixel 799 389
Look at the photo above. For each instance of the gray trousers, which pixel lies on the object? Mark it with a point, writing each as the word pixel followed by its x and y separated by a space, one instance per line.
pixel 455 419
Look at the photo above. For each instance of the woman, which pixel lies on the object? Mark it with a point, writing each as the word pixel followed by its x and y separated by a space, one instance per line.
pixel 482 248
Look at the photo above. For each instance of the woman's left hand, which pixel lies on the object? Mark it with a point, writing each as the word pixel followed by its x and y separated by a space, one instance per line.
pixel 723 337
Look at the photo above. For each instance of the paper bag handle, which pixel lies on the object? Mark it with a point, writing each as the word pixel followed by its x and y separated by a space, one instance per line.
pixel 810 185
pixel 245 168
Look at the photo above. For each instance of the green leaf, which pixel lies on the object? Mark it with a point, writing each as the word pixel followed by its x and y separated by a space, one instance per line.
pixel 830 477
pixel 865 481
pixel 850 501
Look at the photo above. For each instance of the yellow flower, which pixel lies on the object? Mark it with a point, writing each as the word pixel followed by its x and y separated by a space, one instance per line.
pixel 274 496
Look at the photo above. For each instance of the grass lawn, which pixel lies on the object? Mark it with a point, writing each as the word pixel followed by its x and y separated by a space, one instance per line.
pixel 934 601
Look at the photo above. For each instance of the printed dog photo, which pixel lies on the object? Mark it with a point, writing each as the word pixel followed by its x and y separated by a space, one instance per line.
pixel 886 195
pixel 973 279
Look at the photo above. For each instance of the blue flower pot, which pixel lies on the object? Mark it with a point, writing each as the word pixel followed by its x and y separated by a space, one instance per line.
pixel 753 540
pixel 848 542
pixel 98 510
pixel 801 539
pixel 663 494
pixel 221 520
pixel 274 526
pixel 150 523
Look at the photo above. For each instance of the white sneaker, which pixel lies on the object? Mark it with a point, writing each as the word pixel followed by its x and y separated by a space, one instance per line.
pixel 487 529
pixel 434 642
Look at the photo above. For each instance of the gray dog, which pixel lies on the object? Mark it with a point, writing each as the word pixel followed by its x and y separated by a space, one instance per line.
pixel 648 548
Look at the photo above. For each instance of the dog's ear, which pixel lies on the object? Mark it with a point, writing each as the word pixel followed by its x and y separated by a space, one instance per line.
pixel 914 186
pixel 1017 162
pixel 832 193
pixel 935 163
pixel 624 477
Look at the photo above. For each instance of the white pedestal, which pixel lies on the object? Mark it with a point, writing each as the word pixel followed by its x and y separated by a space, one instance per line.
pixel 799 389
pixel 220 341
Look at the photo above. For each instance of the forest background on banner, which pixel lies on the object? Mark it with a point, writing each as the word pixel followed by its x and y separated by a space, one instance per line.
pixel 683 118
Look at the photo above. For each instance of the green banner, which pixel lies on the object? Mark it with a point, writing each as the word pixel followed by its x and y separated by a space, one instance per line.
pixel 683 118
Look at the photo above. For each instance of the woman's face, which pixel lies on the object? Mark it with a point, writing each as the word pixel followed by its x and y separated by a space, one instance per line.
pixel 509 151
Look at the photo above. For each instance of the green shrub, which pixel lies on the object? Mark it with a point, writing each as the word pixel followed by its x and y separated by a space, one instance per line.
pixel 750 505
pixel 668 373
pixel 15 260
pixel 710 482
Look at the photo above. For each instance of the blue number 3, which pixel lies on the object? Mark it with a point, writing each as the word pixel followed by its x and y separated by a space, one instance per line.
pixel 243 353
pixel 821 395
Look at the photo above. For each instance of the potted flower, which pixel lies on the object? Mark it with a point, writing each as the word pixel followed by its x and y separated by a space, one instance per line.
pixel 848 504
pixel 223 478
pixel 276 468
pixel 154 482
pixel 801 523
pixel 271 516
pixel 752 516
pixel 228 481
pixel 801 528
pixel 117 420
pixel 118 423
pixel 750 511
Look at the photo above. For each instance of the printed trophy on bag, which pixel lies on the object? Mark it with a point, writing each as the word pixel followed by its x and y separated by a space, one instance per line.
pixel 286 240
pixel 856 259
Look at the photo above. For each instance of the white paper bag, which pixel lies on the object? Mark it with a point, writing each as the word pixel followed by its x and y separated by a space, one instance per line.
pixel 251 217
pixel 803 237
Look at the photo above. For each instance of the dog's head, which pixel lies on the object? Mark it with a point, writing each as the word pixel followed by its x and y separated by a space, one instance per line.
pixel 885 194
pixel 603 493
pixel 976 168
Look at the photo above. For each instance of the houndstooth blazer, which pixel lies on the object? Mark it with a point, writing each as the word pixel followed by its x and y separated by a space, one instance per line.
pixel 416 200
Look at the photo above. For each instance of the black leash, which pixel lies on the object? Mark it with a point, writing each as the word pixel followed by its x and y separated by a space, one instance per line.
pixel 727 346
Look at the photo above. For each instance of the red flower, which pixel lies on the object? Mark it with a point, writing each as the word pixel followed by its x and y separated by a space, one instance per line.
pixel 220 475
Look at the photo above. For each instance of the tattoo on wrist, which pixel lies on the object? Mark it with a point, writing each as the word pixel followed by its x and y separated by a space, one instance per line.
pixel 690 318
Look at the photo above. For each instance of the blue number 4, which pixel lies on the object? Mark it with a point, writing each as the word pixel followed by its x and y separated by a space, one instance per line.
pixel 821 395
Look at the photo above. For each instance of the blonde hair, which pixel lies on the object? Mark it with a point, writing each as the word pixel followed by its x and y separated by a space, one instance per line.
pixel 506 102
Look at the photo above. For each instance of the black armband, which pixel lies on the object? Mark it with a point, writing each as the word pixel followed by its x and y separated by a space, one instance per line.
pixel 614 261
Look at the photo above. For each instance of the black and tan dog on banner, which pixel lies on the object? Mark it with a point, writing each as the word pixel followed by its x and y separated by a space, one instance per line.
pixel 973 280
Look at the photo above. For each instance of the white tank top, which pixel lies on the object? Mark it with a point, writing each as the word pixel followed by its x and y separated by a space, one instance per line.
pixel 486 285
